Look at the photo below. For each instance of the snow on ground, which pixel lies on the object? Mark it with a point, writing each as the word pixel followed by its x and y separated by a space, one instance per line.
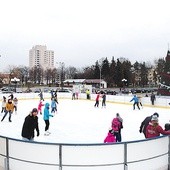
pixel 78 121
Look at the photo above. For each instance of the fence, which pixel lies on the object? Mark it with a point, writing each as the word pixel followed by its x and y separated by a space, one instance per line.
pixel 152 154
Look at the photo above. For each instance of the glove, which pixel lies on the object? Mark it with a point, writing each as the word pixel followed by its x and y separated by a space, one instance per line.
pixel 140 131
pixel 38 133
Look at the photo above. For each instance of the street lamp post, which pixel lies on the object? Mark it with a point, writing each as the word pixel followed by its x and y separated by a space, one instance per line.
pixel 124 82
pixel 100 75
pixel 61 72
pixel 15 81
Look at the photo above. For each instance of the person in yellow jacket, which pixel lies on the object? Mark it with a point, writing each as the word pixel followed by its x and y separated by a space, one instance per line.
pixel 9 108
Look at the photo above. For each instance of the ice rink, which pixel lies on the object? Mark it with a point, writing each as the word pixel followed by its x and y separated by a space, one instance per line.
pixel 78 121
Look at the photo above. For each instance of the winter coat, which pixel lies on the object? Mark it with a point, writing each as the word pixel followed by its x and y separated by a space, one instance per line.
pixel 110 138
pixel 30 124
pixel 153 97
pixel 97 97
pixel 144 124
pixel 40 105
pixel 3 103
pixel 46 112
pixel 9 107
pixel 154 130
pixel 116 125
pixel 53 104
pixel 15 101
pixel 135 99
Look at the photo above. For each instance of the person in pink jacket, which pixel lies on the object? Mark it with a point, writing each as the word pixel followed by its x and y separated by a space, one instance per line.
pixel 110 138
pixel 154 129
pixel 40 105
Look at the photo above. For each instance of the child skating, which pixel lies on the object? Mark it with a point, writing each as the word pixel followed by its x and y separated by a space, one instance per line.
pixel 3 104
pixel 46 118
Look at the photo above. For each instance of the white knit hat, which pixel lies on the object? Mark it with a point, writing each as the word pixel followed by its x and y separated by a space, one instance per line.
pixel 155 118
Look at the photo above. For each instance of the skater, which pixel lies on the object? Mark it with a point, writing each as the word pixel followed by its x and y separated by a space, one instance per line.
pixel 121 126
pixel 73 95
pixel 46 118
pixel 97 100
pixel 154 129
pixel 30 124
pixel 104 100
pixel 77 95
pixel 52 94
pixel 136 102
pixel 167 126
pixel 55 97
pixel 53 106
pixel 11 96
pixel 15 101
pixel 9 108
pixel 40 105
pixel 88 94
pixel 3 104
pixel 110 138
pixel 153 98
pixel 41 95
pixel 145 123
pixel 140 101
pixel 117 125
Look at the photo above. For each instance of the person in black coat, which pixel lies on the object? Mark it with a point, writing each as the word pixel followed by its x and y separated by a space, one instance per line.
pixel 30 124
pixel 153 98
pixel 145 123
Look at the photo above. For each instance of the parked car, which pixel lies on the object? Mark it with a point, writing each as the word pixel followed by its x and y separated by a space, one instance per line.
pixel 28 91
pixel 7 90
pixel 18 90
pixel 37 91
pixel 64 91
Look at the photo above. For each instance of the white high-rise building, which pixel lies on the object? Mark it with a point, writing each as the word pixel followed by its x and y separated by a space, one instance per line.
pixel 40 56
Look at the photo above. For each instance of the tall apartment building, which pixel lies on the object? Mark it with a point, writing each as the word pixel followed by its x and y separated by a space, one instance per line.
pixel 40 56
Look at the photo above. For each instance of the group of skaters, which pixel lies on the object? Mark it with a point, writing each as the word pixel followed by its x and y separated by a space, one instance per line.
pixel 103 96
pixel 114 134
pixel 31 121
pixel 149 127
pixel 9 105
pixel 138 100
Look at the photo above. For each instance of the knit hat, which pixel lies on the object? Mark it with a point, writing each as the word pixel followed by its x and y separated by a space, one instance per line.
pixel 34 110
pixel 156 114
pixel 154 118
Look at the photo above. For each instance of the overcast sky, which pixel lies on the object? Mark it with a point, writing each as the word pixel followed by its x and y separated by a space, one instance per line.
pixel 80 32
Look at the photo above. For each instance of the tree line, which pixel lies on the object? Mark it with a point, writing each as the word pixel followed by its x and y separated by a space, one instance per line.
pixel 113 72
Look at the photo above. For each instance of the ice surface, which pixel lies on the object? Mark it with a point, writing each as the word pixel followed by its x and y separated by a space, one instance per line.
pixel 78 121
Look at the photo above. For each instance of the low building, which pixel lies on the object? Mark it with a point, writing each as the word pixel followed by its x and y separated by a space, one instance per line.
pixel 97 83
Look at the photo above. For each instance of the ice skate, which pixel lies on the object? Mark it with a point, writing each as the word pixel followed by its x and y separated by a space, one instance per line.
pixel 46 133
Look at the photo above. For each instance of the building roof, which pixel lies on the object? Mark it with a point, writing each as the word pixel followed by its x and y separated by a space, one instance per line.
pixel 91 81
pixel 74 80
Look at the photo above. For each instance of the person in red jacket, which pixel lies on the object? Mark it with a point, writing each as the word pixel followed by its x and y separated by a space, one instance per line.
pixel 110 138
pixel 154 129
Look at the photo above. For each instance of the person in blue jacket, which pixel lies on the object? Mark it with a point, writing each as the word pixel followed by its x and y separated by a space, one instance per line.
pixel 46 118
pixel 136 102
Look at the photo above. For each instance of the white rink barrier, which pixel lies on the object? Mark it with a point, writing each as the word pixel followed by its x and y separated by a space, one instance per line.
pixel 151 154
pixel 122 99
